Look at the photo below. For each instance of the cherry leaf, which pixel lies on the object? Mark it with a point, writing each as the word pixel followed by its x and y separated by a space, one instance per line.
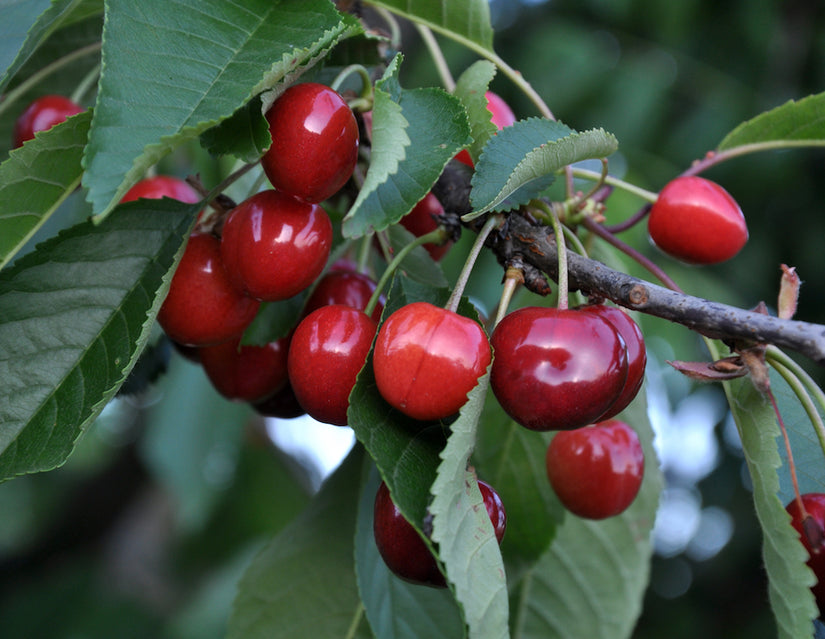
pixel 470 88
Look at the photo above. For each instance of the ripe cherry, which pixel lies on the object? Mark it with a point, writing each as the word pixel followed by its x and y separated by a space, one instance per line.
pixel 159 186
pixel 275 246
pixel 502 116
pixel 402 548
pixel 557 369
pixel 812 536
pixel 596 471
pixel 345 286
pixel 636 353
pixel 423 219
pixel 203 307
pixel 328 349
pixel 427 359
pixel 282 404
pixel 41 115
pixel 314 142
pixel 697 221
pixel 247 372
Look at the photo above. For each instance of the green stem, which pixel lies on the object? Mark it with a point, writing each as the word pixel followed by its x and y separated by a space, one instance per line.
pixel 364 253
pixel 561 250
pixel 392 24
pixel 35 78
pixel 356 621
pixel 649 196
pixel 438 56
pixel 513 278
pixel 467 269
pixel 359 69
pixel 81 89
pixel 717 157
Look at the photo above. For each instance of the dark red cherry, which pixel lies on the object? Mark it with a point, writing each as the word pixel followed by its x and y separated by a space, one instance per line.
pixel 557 369
pixel 281 405
pixel 314 142
pixel 422 220
pixel 274 246
pixel 41 115
pixel 501 115
pixel 328 349
pixel 596 471
pixel 247 372
pixel 427 359
pixel 636 353
pixel 203 307
pixel 341 285
pixel 812 535
pixel 697 221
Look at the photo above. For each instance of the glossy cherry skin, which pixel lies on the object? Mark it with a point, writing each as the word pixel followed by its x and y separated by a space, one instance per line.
pixel 402 548
pixel 596 471
pixel 41 115
pixel 814 541
pixel 203 307
pixel 427 359
pixel 247 372
pixel 274 246
pixel 697 221
pixel 556 369
pixel 314 142
pixel 329 347
pixel 344 286
pixel 160 186
pixel 636 353
pixel 502 116
pixel 422 220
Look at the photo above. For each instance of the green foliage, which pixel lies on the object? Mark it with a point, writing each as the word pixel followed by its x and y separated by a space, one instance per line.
pixel 795 123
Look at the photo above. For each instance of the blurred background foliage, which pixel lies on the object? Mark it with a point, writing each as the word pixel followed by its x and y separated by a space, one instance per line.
pixel 144 532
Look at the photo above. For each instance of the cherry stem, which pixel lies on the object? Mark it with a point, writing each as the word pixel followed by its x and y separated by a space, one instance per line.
pixel 513 278
pixel 463 277
pixel 392 25
pixel 85 83
pixel 551 215
pixel 717 157
pixel 586 174
pixel 229 180
pixel 364 100
pixel 364 253
pixel 437 56
pixel 436 237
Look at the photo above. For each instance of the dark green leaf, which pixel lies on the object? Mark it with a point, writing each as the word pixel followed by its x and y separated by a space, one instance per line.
pixel 418 264
pixel 470 88
pixel 164 79
pixel 245 134
pixel 74 315
pixel 36 178
pixel 303 582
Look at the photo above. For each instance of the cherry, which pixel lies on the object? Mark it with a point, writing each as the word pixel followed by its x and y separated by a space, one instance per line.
pixel 328 349
pixel 596 471
pixel 41 115
pixel 281 404
pixel 203 307
pixel 343 285
pixel 557 369
pixel 274 246
pixel 423 219
pixel 403 549
pixel 636 353
pixel 697 221
pixel 502 116
pixel 427 359
pixel 247 372
pixel 160 186
pixel 314 142
pixel 812 537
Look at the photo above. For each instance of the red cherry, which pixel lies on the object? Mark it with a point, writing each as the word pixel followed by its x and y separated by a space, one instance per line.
pixel 328 349
pixel 557 369
pixel 402 548
pixel 813 539
pixel 427 359
pixel 41 115
pixel 502 116
pixel 314 142
pixel 159 186
pixel 344 286
pixel 596 471
pixel 246 372
pixel 282 404
pixel 275 246
pixel 422 219
pixel 697 221
pixel 203 307
pixel 636 353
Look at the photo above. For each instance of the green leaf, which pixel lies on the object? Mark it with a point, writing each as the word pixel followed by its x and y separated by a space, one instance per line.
pixel 592 580
pixel 520 161
pixel 245 134
pixel 36 179
pixel 797 122
pixel 470 88
pixel 789 580
pixel 395 608
pixel 74 315
pixel 302 584
pixel 457 19
pixel 418 264
pixel 165 81
pixel 463 531
pixel 414 134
